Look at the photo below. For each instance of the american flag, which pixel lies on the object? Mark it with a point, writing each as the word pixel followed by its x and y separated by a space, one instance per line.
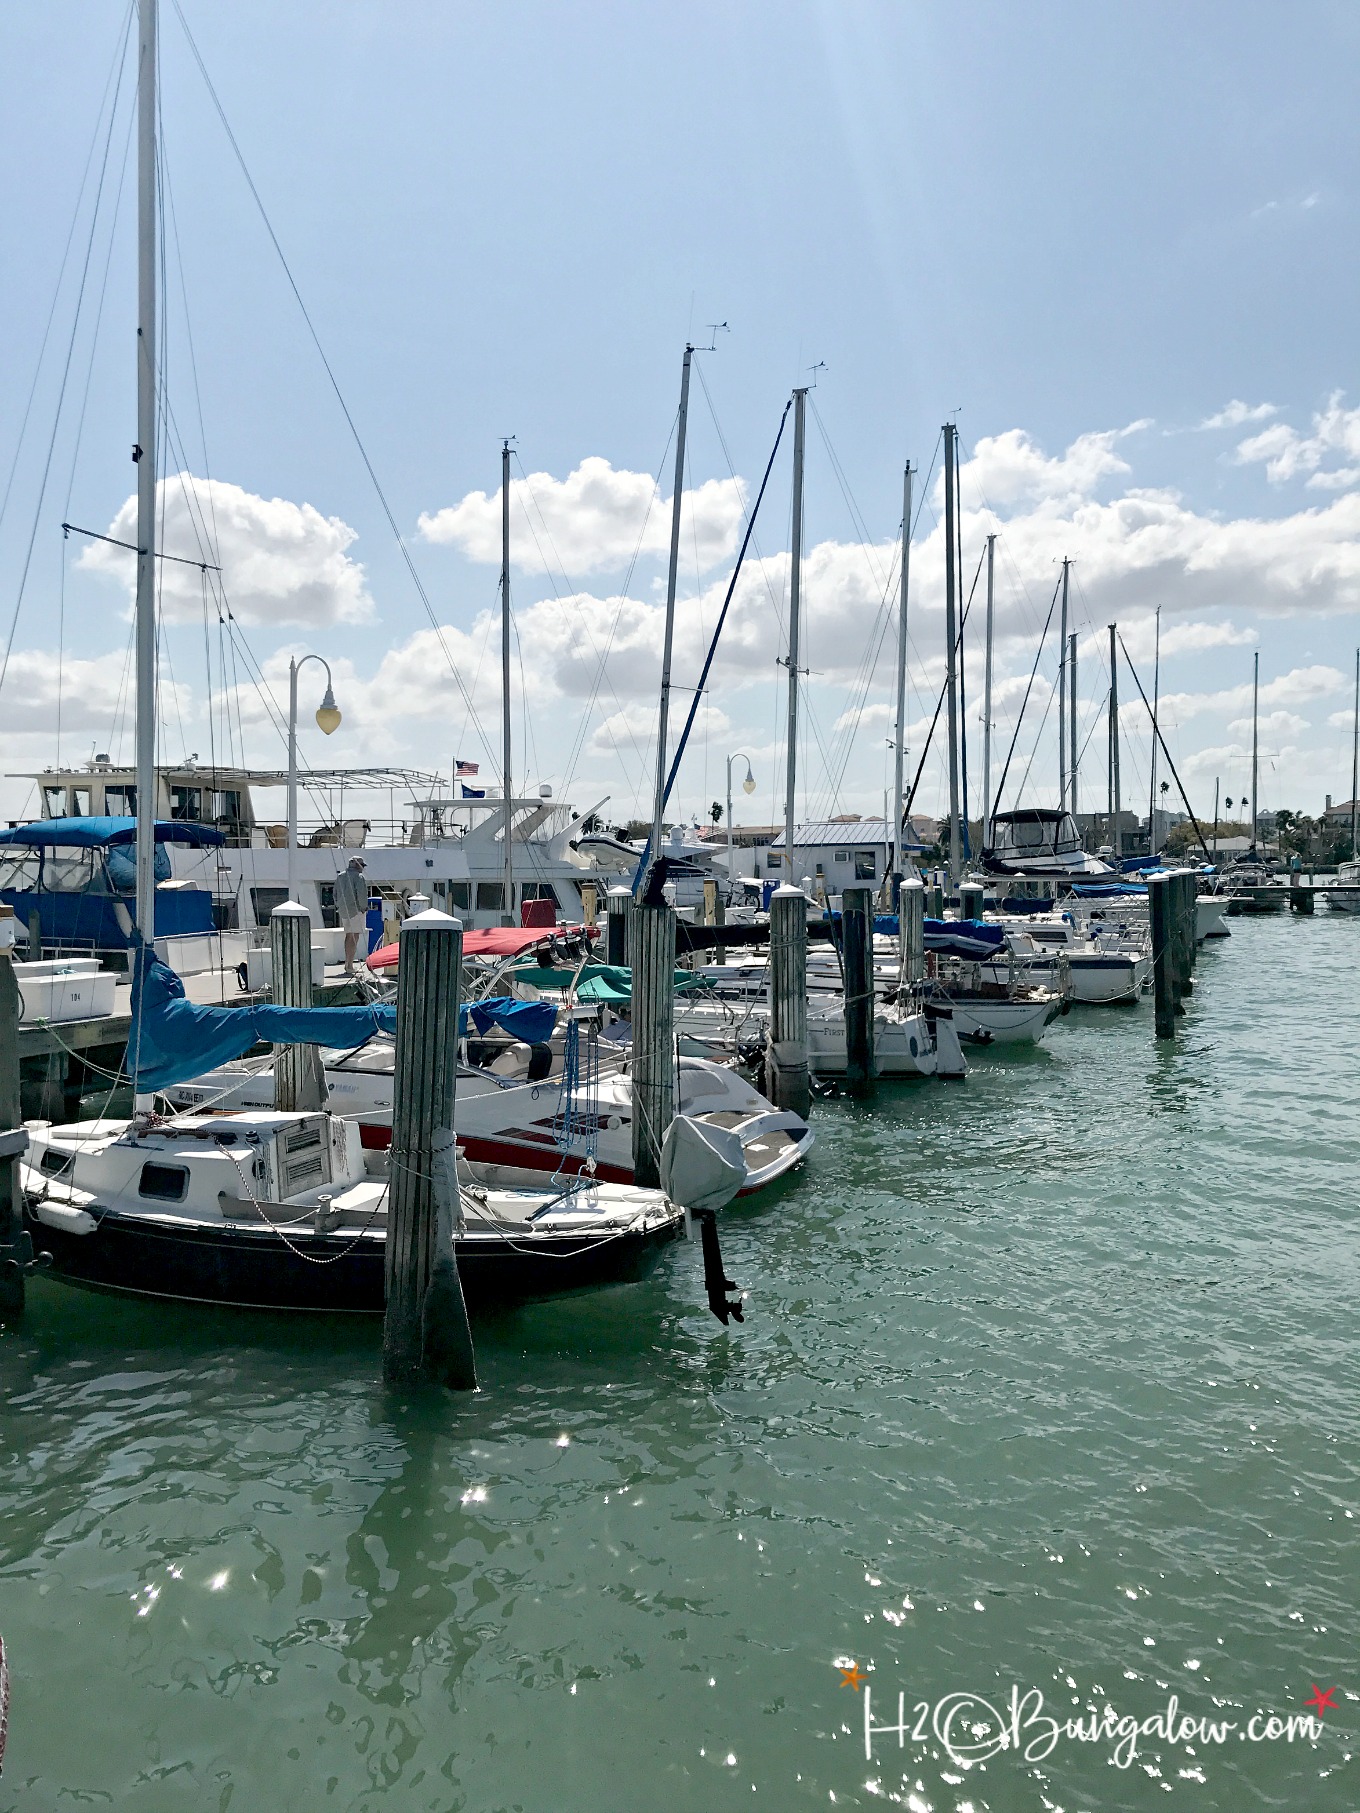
pixel 461 768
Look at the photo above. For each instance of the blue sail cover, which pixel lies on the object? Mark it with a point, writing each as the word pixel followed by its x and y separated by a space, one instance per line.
pixel 172 1040
pixel 91 833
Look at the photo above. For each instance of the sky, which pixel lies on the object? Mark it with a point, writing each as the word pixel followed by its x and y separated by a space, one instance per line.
pixel 1116 246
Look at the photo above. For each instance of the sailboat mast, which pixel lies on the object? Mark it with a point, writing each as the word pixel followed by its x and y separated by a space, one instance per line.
pixel 899 749
pixel 1116 840
pixel 1156 700
pixel 951 636
pixel 1072 725
pixel 1255 693
pixel 1062 695
pixel 795 596
pixel 507 793
pixel 1355 759
pixel 663 719
pixel 987 698
pixel 145 456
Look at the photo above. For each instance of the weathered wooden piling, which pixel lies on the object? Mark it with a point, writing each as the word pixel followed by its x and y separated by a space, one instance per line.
pixel 1161 914
pixel 786 1064
pixel 13 1140
pixel 972 896
pixel 935 900
pixel 425 1332
pixel 715 914
pixel 618 907
pixel 857 959
pixel 1300 897
pixel 651 936
pixel 298 1079
pixel 1187 922
pixel 590 904
pixel 911 929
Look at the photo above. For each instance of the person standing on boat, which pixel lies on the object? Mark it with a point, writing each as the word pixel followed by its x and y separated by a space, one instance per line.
pixel 351 903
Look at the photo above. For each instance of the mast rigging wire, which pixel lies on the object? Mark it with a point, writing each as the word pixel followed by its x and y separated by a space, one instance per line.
pixel 400 539
pixel 996 798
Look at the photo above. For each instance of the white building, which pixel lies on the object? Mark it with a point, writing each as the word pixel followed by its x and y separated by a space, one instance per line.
pixel 834 853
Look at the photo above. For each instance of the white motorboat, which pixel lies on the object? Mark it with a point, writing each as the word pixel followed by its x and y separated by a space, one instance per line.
pixel 265 1210
pixel 1106 967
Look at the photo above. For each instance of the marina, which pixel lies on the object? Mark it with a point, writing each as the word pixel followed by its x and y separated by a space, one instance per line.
pixel 653 1151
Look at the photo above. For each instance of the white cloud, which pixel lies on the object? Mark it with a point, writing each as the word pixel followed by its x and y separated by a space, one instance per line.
pixel 592 521
pixel 282 563
pixel 95 694
pixel 1298 687
pixel 1288 454
pixel 1010 468
pixel 1272 726
pixel 1237 413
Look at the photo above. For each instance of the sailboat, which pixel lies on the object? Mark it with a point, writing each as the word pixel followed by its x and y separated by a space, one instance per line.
pixel 271 1207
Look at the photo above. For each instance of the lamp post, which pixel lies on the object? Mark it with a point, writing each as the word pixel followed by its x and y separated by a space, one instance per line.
pixel 328 721
pixel 747 786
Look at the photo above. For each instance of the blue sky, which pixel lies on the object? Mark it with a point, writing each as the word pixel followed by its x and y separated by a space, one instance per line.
pixel 1066 227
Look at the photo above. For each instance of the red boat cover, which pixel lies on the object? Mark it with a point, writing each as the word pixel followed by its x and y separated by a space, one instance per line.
pixel 496 941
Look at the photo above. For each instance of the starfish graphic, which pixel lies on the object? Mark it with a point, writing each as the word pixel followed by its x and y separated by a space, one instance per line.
pixel 1322 1699
pixel 852 1676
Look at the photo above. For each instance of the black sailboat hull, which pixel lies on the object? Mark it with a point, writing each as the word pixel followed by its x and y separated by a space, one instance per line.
pixel 246 1268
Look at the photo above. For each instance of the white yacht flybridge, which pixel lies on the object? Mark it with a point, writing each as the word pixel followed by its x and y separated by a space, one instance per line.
pixel 415 837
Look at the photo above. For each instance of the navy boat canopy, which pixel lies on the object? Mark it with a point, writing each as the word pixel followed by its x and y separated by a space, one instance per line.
pixel 95 833
pixel 967 938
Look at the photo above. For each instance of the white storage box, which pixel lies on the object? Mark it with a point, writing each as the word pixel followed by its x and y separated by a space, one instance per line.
pixel 260 967
pixel 64 988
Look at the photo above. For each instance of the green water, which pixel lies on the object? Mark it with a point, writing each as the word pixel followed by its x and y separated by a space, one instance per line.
pixel 1048 1380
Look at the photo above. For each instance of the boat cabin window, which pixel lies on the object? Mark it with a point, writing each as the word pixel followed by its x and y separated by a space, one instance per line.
pixel 54 802
pixel 80 801
pixel 164 1183
pixel 226 807
pixel 539 890
pixel 460 895
pixel 120 801
pixel 69 871
pixel 840 856
pixel 187 803
pixel 19 870
pixel 264 900
pixel 329 915
pixel 55 1163
pixel 866 865
pixel 490 896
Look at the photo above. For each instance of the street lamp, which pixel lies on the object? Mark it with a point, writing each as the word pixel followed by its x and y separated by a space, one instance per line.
pixel 328 721
pixel 747 786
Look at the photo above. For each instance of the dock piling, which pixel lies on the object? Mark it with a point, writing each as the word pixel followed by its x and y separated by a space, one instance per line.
pixel 857 957
pixel 425 1331
pixel 715 914
pixel 911 929
pixel 590 904
pixel 972 896
pixel 1161 915
pixel 652 938
pixel 786 1061
pixel 618 906
pixel 13 1139
pixel 299 1083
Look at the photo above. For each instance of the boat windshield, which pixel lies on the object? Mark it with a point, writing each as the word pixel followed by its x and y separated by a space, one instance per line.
pixel 1038 834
